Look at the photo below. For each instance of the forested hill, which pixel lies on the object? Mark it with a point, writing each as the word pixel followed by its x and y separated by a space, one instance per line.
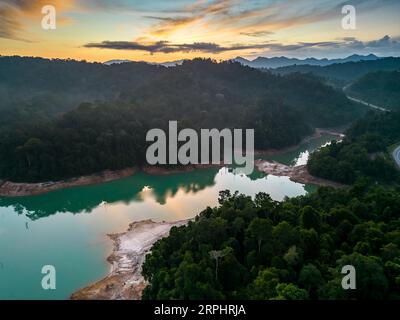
pixel 292 250
pixel 363 154
pixel 68 118
pixel 342 74
pixel 379 88
pixel 38 89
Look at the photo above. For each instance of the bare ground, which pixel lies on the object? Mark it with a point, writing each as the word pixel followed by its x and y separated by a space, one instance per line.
pixel 298 174
pixel 125 280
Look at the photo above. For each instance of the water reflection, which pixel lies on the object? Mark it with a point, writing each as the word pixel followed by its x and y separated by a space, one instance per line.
pixel 85 199
pixel 76 242
pixel 161 187
pixel 300 155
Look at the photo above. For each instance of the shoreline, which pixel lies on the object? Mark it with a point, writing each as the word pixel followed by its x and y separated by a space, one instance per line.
pixel 125 281
pixel 20 189
pixel 164 171
pixel 298 174
pixel 317 134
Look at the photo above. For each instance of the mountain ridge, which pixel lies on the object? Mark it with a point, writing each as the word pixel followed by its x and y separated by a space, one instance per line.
pixel 270 63
pixel 282 61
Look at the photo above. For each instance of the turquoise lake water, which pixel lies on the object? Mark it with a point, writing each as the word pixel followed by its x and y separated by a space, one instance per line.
pixel 68 228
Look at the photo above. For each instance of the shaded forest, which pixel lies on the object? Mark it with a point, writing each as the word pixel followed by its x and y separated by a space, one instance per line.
pixel 63 118
pixel 341 74
pixel 380 88
pixel 363 154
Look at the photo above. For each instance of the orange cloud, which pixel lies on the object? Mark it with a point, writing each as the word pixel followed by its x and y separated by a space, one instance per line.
pixel 14 15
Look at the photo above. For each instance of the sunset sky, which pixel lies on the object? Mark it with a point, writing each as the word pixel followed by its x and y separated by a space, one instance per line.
pixel 158 31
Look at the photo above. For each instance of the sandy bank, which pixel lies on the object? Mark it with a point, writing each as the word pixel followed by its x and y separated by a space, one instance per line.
pixel 125 280
pixel 15 189
pixel 298 174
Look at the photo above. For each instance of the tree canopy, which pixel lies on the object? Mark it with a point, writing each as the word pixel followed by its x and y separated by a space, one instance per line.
pixel 294 249
pixel 63 118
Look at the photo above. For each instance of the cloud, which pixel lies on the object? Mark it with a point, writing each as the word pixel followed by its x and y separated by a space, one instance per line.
pixel 167 47
pixel 350 44
pixel 206 47
pixel 254 18
pixel 8 25
pixel 385 46
pixel 257 33
pixel 14 12
pixel 386 42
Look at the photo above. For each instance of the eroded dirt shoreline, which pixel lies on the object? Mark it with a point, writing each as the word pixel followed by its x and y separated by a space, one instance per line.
pixel 20 189
pixel 298 174
pixel 15 189
pixel 125 280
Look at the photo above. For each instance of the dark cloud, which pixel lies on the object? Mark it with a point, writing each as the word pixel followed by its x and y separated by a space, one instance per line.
pixel 207 47
pixel 385 42
pixel 348 43
pixel 167 47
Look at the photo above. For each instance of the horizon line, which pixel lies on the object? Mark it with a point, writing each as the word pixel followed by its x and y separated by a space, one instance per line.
pixel 205 58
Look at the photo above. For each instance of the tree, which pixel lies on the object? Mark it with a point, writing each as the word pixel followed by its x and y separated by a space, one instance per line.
pixel 218 254
pixel 264 286
pixel 310 218
pixel 289 291
pixel 310 278
pixel 371 279
pixel 261 230
pixel 292 257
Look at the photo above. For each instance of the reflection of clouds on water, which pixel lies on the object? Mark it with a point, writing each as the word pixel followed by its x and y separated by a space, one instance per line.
pixel 133 189
pixel 176 195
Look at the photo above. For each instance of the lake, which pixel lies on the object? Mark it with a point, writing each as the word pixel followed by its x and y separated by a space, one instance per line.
pixel 68 228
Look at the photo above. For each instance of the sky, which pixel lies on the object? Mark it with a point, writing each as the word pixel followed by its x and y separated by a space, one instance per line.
pixel 166 30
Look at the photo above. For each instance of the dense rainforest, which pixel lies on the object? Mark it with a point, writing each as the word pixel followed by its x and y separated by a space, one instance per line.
pixel 64 118
pixel 294 249
pixel 380 88
pixel 364 153
pixel 37 89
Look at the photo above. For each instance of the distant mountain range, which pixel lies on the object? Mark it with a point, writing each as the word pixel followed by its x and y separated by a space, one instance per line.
pixel 165 64
pixel 275 62
pixel 278 62
pixel 344 73
pixel 116 62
